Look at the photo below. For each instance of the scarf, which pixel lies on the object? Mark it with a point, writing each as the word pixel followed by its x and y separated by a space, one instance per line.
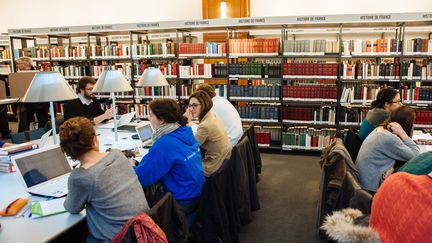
pixel 163 130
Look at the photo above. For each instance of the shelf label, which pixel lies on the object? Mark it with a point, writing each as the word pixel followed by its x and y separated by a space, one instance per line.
pixel 197 23
pixel 427 16
pixel 59 29
pixel 376 17
pixel 251 21
pixel 147 25
pixel 102 27
pixel 311 18
pixel 22 31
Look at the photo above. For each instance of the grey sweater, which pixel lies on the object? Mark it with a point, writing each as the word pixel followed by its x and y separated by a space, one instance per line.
pixel 110 192
pixel 378 154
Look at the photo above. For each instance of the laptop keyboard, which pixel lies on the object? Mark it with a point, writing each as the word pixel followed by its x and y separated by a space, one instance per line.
pixel 55 188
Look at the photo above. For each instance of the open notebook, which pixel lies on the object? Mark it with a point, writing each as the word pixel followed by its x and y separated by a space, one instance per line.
pixel 49 207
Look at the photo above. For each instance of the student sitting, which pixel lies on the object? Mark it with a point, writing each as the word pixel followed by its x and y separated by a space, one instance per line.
pixel 174 157
pixel 104 184
pixel 387 100
pixel 211 134
pixel 388 142
pixel 226 112
pixel 86 104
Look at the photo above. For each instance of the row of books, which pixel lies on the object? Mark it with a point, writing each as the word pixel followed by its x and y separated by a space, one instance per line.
pixel 69 52
pixel 5 54
pixel 267 134
pixel 310 46
pixel 349 116
pixel 33 52
pixel 153 49
pixel 196 71
pixel 266 92
pixel 119 50
pixel 254 69
pixel 374 46
pixel 419 45
pixel 423 117
pixel 150 92
pixel 359 93
pixel 323 115
pixel 77 71
pixel 307 138
pixel 415 95
pixel 316 69
pixel 259 113
pixel 416 70
pixel 260 46
pixel 310 93
pixel 202 49
pixel 369 69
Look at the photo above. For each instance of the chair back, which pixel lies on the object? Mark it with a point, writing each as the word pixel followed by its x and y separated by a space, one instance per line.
pixel 18 138
pixel 36 134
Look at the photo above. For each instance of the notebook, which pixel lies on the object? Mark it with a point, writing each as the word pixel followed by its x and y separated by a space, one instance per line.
pixel 44 172
pixel 49 207
pixel 43 140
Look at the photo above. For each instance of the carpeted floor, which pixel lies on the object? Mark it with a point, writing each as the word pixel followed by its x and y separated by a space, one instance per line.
pixel 288 192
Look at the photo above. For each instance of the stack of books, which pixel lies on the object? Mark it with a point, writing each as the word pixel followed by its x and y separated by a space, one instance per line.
pixel 7 152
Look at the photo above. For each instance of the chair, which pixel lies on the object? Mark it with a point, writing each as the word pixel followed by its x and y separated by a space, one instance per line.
pixel 354 196
pixel 18 138
pixel 353 144
pixel 36 134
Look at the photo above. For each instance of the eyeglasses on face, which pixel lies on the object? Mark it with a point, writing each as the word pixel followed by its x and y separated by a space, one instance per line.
pixel 193 106
pixel 396 101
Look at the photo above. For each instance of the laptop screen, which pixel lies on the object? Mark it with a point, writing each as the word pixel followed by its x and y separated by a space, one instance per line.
pixel 145 132
pixel 40 167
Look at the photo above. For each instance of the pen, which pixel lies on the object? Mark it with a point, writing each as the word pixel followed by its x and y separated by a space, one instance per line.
pixel 23 211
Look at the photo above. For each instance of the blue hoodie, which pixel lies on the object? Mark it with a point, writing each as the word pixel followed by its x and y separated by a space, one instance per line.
pixel 175 158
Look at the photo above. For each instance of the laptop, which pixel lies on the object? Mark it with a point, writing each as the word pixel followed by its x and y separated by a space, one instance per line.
pixel 44 172
pixel 122 122
pixel 145 132
pixel 43 140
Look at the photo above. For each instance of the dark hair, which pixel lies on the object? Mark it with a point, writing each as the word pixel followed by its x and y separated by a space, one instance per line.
pixel 207 88
pixel 384 95
pixel 205 100
pixel 405 116
pixel 167 110
pixel 82 83
pixel 76 136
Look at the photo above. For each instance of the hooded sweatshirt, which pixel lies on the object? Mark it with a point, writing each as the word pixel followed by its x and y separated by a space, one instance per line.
pixel 175 159
pixel 373 119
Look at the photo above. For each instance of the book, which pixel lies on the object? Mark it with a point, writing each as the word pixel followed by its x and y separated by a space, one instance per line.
pixel 10 150
pixel 49 207
pixel 307 138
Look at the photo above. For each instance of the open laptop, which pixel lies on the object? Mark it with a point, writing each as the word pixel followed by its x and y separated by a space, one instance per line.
pixel 145 132
pixel 44 172
pixel 122 123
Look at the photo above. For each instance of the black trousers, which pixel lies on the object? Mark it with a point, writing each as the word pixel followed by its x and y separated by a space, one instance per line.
pixel 4 124
pixel 27 112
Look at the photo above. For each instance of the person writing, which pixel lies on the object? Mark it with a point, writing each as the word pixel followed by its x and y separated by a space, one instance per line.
pixel 104 184
pixel 86 104
pixel 226 112
pixel 387 100
pixel 211 134
pixel 389 142
pixel 175 157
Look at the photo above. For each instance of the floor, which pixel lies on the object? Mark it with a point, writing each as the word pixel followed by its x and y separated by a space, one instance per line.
pixel 288 192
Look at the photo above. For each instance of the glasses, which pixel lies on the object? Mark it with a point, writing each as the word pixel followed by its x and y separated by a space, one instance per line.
pixel 193 106
pixel 396 101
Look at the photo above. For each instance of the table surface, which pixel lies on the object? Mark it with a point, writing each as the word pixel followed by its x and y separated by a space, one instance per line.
pixel 24 229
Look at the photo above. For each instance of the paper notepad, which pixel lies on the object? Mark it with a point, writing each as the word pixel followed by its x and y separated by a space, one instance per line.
pixel 50 207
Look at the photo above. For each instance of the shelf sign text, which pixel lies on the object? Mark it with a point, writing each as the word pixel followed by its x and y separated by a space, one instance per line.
pixel 375 17
pixel 427 16
pixel 60 29
pixel 147 25
pixel 22 31
pixel 102 27
pixel 311 18
pixel 251 21
pixel 197 22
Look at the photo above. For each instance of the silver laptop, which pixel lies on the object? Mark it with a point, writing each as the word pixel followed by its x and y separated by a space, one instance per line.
pixel 124 120
pixel 44 172
pixel 145 132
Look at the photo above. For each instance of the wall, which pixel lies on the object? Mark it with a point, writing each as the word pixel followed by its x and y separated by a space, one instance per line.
pixel 47 13
pixel 316 7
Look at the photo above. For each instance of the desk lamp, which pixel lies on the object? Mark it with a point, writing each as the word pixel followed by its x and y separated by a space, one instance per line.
pixel 49 87
pixel 111 81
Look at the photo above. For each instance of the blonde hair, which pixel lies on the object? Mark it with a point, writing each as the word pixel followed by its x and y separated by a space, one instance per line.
pixel 25 60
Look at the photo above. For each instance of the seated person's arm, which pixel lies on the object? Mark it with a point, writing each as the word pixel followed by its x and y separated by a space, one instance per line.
pixel 105 116
pixel 4 144
pixel 202 134
pixel 153 166
pixel 77 195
